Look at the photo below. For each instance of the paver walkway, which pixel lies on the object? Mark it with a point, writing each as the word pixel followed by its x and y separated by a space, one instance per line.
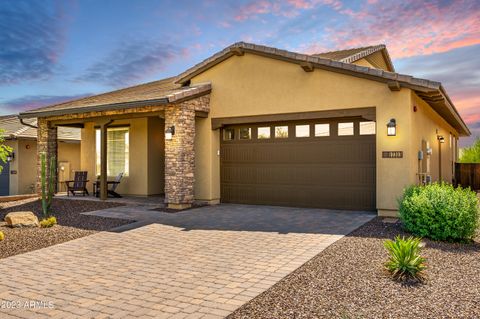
pixel 201 263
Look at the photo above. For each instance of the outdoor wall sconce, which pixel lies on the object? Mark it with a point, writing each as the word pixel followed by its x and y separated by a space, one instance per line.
pixel 441 139
pixel 10 157
pixel 170 132
pixel 392 128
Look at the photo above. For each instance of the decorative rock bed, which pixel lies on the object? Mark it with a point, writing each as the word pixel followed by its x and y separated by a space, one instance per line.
pixel 347 280
pixel 71 224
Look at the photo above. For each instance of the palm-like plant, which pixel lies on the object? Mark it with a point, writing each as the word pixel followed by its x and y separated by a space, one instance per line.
pixel 405 261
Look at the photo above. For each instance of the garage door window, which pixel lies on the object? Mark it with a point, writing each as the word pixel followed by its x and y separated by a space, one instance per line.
pixel 302 130
pixel 322 130
pixel 281 131
pixel 345 129
pixel 228 134
pixel 245 133
pixel 367 128
pixel 263 132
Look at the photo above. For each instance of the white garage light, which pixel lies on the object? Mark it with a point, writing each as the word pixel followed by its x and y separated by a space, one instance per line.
pixel 392 128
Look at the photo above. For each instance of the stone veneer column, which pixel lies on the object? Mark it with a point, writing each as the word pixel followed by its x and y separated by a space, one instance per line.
pixel 180 156
pixel 47 143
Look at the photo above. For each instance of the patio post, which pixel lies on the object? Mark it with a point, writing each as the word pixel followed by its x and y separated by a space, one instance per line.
pixel 103 160
pixel 46 143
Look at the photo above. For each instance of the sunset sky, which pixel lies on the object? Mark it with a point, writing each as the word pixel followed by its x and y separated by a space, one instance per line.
pixel 54 51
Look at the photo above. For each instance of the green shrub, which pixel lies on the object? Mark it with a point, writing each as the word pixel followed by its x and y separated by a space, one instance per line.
pixel 440 211
pixel 405 261
pixel 48 222
pixel 2 236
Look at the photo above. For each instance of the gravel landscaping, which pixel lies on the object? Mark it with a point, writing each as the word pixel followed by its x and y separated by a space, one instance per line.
pixel 347 280
pixel 71 224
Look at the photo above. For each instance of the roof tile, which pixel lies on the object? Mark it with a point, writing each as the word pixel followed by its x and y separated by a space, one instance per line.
pixel 14 129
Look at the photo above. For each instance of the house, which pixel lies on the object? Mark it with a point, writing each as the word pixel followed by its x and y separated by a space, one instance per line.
pixel 258 125
pixel 19 176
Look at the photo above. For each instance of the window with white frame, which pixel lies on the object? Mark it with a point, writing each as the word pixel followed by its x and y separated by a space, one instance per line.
pixel 345 129
pixel 322 130
pixel 118 151
pixel 367 128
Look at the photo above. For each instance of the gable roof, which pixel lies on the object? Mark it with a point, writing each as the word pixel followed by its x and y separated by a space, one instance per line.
pixel 174 89
pixel 355 54
pixel 157 92
pixel 431 91
pixel 14 129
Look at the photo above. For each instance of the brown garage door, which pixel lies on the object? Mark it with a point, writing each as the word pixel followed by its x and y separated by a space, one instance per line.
pixel 325 164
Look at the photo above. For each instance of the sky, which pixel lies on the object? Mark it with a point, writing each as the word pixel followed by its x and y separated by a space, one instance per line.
pixel 53 51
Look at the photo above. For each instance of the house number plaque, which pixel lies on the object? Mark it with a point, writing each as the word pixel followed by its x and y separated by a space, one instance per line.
pixel 392 154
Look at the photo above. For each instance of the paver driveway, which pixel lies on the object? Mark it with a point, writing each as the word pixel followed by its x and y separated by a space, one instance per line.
pixel 201 263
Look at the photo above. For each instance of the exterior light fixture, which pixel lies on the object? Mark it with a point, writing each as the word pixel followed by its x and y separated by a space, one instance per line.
pixel 441 139
pixel 10 157
pixel 170 132
pixel 392 128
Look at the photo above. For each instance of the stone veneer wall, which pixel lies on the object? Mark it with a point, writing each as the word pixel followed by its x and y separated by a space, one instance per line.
pixel 179 151
pixel 46 143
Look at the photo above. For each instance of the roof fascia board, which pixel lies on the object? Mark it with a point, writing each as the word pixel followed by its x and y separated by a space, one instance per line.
pixel 96 108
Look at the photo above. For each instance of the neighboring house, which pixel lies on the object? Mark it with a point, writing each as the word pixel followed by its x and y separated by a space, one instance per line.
pixel 254 124
pixel 20 174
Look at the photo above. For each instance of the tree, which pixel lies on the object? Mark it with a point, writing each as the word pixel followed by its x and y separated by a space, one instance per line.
pixel 4 150
pixel 471 154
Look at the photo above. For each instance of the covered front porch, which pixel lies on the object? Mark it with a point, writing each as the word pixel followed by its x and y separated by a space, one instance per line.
pixel 151 142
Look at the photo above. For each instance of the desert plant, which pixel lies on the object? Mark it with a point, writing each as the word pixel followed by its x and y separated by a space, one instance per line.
pixel 471 154
pixel 2 235
pixel 440 211
pixel 405 261
pixel 48 186
pixel 4 150
pixel 48 222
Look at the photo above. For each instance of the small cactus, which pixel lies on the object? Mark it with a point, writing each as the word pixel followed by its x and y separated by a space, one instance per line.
pixel 48 187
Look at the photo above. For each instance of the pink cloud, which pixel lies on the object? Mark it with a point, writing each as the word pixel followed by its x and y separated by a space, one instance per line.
pixel 301 4
pixel 411 28
pixel 254 8
pixel 289 8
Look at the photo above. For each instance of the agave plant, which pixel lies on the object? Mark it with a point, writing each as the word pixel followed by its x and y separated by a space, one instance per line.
pixel 405 261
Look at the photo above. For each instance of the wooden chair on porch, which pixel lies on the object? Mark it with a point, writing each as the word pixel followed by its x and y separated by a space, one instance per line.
pixel 111 187
pixel 79 184
pixel 114 184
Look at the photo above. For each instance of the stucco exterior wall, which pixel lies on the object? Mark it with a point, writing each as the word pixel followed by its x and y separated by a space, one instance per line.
pixel 375 60
pixel 156 156
pixel 146 157
pixel 69 152
pixel 87 152
pixel 427 125
pixel 364 62
pixel 207 176
pixel 25 163
pixel 255 85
